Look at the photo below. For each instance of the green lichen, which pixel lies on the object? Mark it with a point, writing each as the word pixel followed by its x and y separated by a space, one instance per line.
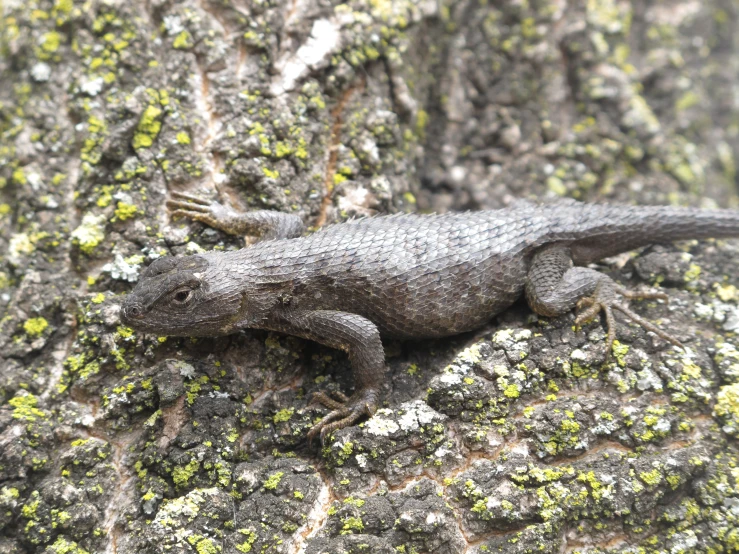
pixel 24 408
pixel 251 538
pixel 63 546
pixel 50 43
pixel 183 137
pixel 183 40
pixel 35 326
pixel 19 176
pixel 125 211
pixel 692 273
pixel 687 100
pixel 181 474
pixel 512 391
pixel 273 480
pixel 272 174
pixel 352 525
pixel 283 415
pixel 203 545
pixel 619 351
pixel 148 127
pixel 727 407
pixel 90 233
pixel 9 494
pixel 651 478
pixel 20 245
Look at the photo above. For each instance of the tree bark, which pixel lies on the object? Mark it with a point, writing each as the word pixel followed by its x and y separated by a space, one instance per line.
pixel 518 438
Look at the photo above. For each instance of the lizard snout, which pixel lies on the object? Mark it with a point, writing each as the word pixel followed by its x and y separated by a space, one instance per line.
pixel 130 311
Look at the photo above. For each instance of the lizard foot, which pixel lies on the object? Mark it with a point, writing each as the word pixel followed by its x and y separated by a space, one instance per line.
pixel 345 411
pixel 607 298
pixel 194 207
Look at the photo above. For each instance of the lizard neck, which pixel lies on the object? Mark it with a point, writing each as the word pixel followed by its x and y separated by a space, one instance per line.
pixel 261 290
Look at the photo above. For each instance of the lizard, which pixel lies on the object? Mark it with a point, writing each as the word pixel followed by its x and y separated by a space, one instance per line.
pixel 405 276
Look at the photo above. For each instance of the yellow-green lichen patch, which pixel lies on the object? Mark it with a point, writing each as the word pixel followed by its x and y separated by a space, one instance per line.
pixel 271 173
pixel 183 40
pixel 567 435
pixel 125 211
pixel 727 408
pixel 203 545
pixel 726 292
pixel 352 525
pixel 693 272
pixel 10 494
pixel 35 326
pixel 79 366
pixel 63 546
pixel 283 415
pixel 148 127
pixel 90 232
pixel 183 137
pixel 181 474
pixel 619 352
pixel 24 408
pixel 651 478
pixel 250 537
pixel 20 246
pixel 49 44
pixel 273 480
pixel 512 391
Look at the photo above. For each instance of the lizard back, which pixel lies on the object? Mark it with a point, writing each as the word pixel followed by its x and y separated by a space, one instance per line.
pixel 418 276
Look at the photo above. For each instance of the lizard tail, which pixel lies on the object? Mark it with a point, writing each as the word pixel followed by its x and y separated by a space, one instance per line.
pixel 604 230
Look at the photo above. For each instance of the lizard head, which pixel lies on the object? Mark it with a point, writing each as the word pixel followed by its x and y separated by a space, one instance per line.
pixel 182 296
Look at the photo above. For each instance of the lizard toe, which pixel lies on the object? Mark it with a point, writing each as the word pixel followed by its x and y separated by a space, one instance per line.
pixel 606 298
pixel 343 414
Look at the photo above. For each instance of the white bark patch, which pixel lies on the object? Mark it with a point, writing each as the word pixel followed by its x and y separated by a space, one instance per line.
pixel 314 54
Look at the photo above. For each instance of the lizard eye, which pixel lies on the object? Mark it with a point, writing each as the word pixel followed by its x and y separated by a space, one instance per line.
pixel 182 296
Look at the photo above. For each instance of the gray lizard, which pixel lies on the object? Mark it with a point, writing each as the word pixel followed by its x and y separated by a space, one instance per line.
pixel 401 276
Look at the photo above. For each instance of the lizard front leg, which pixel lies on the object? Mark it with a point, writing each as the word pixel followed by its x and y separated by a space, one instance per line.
pixel 265 224
pixel 357 336
pixel 554 286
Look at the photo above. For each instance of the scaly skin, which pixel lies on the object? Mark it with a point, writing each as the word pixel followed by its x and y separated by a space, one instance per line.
pixel 403 276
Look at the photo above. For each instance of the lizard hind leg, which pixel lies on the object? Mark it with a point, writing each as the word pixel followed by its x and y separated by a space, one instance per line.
pixel 554 286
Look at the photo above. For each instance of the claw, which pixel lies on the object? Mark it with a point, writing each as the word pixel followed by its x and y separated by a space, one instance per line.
pixel 195 216
pixel 641 295
pixel 187 206
pixel 648 326
pixel 344 413
pixel 193 198
pixel 603 299
pixel 327 401
pixel 591 309
pixel 611 324
pixel 340 395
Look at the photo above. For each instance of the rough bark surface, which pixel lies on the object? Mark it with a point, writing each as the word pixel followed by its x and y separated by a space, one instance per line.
pixel 517 438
